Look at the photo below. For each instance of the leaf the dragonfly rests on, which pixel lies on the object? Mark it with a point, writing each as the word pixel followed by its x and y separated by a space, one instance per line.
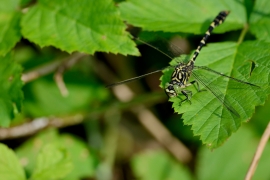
pixel 220 111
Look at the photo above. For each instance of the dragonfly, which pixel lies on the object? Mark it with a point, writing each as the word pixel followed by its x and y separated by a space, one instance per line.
pixel 183 71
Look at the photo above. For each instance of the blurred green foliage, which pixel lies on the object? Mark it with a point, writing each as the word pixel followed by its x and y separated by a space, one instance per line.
pixel 110 143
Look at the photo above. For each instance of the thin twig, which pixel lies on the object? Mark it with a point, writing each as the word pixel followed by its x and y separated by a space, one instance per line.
pixel 49 68
pixel 40 71
pixel 32 127
pixel 58 78
pixel 257 156
pixel 243 34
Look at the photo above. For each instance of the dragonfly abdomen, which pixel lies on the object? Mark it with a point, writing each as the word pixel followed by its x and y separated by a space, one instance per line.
pixel 182 72
pixel 220 18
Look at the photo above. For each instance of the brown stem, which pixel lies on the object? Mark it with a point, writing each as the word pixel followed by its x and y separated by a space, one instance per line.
pixel 50 67
pixel 259 151
pixel 37 125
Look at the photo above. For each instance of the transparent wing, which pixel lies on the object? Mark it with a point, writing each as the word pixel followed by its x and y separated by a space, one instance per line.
pixel 218 73
pixel 215 91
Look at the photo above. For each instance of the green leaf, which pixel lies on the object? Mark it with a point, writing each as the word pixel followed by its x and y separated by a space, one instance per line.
pixel 47 101
pixel 260 21
pixel 29 150
pixel 87 26
pixel 80 156
pixel 52 163
pixel 9 25
pixel 209 118
pixel 10 91
pixel 10 167
pixel 158 165
pixel 232 160
pixel 77 151
pixel 181 15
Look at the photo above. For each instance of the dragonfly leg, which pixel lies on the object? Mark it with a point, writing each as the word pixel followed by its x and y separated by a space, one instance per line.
pixel 174 90
pixel 187 94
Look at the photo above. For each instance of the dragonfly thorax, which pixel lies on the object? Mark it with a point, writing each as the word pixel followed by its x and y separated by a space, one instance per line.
pixel 181 74
pixel 179 79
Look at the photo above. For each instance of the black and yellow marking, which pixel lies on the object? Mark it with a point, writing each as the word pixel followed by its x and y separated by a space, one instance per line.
pixel 182 71
pixel 217 21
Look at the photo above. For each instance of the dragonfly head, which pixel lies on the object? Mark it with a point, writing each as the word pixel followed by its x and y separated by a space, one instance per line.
pixel 170 91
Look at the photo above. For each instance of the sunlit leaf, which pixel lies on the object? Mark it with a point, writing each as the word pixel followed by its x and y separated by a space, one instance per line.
pixel 10 92
pixel 85 26
pixel 77 151
pixel 9 25
pixel 260 21
pixel 182 15
pixel 52 163
pixel 209 118
pixel 10 167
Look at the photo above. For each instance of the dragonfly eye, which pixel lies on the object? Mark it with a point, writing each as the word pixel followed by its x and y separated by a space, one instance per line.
pixel 170 87
pixel 170 91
